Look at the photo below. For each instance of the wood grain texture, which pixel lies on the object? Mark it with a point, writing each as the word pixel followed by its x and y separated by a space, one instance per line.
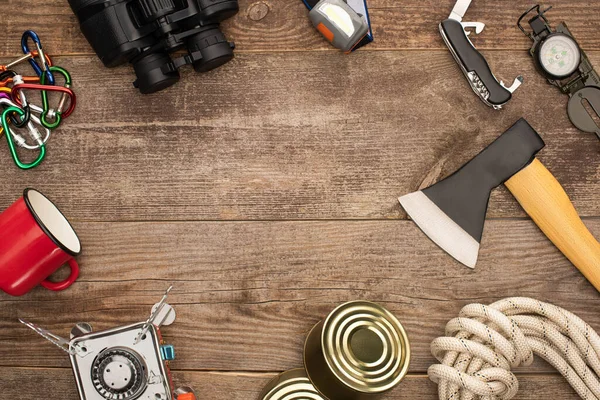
pixel 216 185
pixel 292 136
pixel 246 294
pixel 246 386
pixel 546 202
pixel 283 25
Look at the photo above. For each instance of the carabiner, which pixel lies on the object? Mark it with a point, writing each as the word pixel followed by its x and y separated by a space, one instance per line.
pixel 26 57
pixel 45 68
pixel 5 93
pixel 33 131
pixel 21 101
pixel 3 96
pixel 26 79
pixel 24 120
pixel 18 95
pixel 11 145
pixel 6 101
pixel 55 114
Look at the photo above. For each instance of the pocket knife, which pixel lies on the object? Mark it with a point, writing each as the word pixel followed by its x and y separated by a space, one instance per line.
pixel 475 67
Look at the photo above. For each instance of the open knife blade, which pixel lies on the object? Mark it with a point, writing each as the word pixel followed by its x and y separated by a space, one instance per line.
pixel 460 9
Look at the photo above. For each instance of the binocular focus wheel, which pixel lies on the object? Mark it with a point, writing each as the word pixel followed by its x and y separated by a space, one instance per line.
pixel 150 73
pixel 213 57
pixel 210 49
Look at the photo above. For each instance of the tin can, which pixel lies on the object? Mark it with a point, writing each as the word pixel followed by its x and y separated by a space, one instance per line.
pixel 359 350
pixel 291 385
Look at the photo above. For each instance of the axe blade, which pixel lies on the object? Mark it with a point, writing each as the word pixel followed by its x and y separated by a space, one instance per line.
pixel 452 211
pixel 441 229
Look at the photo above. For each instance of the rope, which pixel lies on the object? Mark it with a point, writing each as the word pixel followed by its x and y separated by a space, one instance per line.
pixel 485 342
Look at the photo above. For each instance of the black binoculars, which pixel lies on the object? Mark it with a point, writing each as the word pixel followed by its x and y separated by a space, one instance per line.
pixel 145 32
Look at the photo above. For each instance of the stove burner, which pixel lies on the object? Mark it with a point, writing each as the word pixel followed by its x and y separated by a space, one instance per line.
pixel 119 373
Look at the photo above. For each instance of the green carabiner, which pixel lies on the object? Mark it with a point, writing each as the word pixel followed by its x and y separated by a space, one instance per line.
pixel 58 112
pixel 11 145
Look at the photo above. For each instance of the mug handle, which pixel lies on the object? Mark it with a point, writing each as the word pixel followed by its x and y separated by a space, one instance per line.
pixel 58 286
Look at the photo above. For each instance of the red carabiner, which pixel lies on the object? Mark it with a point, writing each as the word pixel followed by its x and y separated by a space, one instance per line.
pixel 36 86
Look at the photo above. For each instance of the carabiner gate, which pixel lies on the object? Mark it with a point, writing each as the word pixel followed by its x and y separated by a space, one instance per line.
pixel 45 68
pixel 18 79
pixel 56 114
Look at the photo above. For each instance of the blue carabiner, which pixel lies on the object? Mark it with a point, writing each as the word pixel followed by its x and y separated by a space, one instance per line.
pixel 38 44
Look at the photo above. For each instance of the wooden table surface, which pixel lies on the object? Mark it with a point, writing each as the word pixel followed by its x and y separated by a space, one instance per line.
pixel 266 192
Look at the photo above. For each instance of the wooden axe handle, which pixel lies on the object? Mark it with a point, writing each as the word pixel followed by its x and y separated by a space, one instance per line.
pixel 546 202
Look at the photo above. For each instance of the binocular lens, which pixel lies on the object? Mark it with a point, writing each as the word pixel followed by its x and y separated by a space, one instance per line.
pixel 213 47
pixel 219 10
pixel 151 75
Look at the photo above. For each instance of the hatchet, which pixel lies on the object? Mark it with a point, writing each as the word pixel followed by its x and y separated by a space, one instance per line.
pixel 452 211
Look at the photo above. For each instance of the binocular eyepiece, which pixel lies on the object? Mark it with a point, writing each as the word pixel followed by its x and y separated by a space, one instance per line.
pixel 145 32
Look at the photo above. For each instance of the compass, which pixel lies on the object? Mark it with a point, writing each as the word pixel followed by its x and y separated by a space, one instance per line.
pixel 560 59
pixel 559 55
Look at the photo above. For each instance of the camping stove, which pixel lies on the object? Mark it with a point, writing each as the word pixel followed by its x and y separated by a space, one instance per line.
pixel 123 363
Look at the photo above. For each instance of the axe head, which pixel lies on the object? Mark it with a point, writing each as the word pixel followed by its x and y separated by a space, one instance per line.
pixel 452 212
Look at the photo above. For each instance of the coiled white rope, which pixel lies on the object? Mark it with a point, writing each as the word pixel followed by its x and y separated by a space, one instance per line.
pixel 485 342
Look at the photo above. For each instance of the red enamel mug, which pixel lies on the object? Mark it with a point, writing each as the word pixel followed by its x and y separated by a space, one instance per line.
pixel 35 240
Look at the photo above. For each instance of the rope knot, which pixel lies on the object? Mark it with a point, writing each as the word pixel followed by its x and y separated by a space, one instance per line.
pixel 484 343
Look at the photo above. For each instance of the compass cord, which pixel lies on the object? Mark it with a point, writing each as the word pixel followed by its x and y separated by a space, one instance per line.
pixel 484 343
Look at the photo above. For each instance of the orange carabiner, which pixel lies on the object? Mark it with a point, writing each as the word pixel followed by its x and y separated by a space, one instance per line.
pixel 26 79
pixel 24 58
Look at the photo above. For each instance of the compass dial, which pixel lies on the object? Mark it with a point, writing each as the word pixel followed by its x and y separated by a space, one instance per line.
pixel 559 55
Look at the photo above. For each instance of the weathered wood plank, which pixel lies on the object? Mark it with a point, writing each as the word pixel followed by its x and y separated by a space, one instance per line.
pixel 291 136
pixel 59 384
pixel 283 25
pixel 246 294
